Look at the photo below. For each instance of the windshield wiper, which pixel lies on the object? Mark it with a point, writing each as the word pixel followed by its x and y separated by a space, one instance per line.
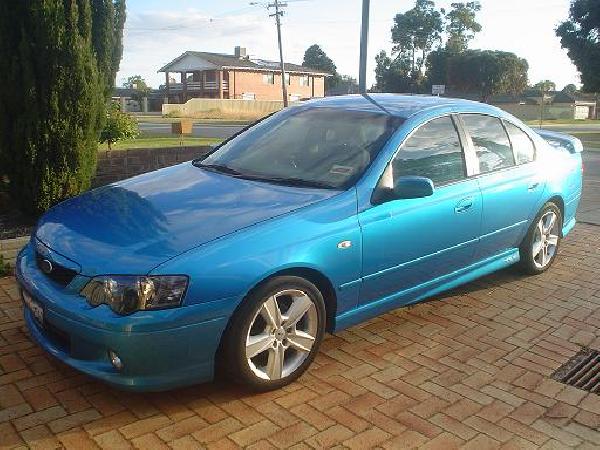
pixel 290 181
pixel 219 168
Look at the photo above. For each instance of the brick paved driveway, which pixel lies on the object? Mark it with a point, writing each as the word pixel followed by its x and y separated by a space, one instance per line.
pixel 468 369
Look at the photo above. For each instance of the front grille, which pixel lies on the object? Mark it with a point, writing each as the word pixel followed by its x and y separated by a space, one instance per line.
pixel 60 275
pixel 581 371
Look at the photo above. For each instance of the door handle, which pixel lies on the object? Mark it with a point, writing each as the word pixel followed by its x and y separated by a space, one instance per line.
pixel 464 205
pixel 533 186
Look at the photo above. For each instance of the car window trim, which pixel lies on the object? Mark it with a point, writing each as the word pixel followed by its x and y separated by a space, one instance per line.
pixel 504 122
pixel 476 172
pixel 452 116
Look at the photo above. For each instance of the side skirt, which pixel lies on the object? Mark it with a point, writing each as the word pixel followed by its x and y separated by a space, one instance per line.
pixel 427 289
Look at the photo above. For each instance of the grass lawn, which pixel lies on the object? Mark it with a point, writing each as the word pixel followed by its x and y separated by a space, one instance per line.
pixel 563 122
pixel 146 141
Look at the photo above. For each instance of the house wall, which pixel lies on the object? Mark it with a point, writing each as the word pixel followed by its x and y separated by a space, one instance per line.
pixel 245 81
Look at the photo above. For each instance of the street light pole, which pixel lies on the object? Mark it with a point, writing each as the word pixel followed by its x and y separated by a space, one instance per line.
pixel 364 39
pixel 278 15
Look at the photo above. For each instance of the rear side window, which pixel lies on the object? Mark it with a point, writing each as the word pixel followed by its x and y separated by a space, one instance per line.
pixel 491 142
pixel 523 147
pixel 433 151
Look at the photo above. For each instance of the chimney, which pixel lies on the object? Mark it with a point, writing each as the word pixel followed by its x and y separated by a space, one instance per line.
pixel 240 52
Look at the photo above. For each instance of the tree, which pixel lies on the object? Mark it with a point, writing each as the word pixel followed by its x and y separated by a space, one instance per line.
pixel 59 59
pixel 139 87
pixel 488 72
pixel 118 126
pixel 415 32
pixel 570 89
pixel 461 25
pixel 544 86
pixel 579 35
pixel 316 58
pixel 392 75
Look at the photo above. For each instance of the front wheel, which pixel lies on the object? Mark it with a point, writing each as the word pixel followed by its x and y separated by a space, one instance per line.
pixel 540 247
pixel 275 334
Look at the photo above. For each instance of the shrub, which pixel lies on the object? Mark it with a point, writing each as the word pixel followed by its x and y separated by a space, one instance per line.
pixel 118 126
pixel 58 61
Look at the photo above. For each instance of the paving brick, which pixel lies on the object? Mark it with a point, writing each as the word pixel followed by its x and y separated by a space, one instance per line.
pixel 73 420
pixel 39 418
pixel 253 433
pixel 181 428
pixel 144 426
pixel 470 370
pixel 367 439
pixel 329 437
pixel 149 441
pixel 286 437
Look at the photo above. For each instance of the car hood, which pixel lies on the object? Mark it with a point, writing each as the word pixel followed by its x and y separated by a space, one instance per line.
pixel 132 226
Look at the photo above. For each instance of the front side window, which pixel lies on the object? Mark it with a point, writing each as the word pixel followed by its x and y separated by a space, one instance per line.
pixel 490 141
pixel 322 147
pixel 433 151
pixel 523 147
pixel 269 78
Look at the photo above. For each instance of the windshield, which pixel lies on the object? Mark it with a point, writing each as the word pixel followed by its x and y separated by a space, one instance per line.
pixel 310 146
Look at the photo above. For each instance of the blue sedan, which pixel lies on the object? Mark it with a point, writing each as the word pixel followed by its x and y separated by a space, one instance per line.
pixel 314 219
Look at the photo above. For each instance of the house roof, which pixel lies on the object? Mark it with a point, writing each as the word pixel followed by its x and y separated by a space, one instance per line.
pixel 198 61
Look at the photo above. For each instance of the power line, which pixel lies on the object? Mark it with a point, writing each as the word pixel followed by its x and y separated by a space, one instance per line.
pixel 278 7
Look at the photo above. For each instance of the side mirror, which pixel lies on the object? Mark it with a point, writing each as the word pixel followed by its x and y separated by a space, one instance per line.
pixel 412 187
pixel 404 188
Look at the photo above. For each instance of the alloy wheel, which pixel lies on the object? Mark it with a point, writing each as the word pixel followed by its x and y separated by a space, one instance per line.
pixel 545 241
pixel 282 334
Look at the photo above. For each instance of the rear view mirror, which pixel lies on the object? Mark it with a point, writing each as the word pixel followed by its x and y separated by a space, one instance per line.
pixel 404 188
pixel 412 187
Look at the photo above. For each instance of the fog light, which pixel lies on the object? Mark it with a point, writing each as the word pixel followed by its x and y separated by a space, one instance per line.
pixel 115 360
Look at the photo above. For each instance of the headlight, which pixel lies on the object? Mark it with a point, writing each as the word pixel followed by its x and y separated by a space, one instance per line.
pixel 127 294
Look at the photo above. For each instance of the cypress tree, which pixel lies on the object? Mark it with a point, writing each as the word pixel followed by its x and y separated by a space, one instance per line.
pixel 58 73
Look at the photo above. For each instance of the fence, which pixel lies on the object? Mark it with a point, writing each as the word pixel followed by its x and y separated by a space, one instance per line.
pixel 225 108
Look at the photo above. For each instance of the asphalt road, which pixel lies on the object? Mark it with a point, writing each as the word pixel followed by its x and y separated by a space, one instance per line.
pixel 589 208
pixel 199 130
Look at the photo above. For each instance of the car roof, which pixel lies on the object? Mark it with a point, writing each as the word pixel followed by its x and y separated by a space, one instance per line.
pixel 399 105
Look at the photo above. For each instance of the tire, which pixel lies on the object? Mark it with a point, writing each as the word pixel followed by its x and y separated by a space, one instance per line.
pixel 540 246
pixel 282 346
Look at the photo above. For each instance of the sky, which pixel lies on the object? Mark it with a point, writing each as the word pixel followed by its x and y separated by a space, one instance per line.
pixel 157 31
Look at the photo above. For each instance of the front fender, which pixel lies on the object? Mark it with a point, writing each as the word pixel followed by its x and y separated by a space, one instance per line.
pixel 307 238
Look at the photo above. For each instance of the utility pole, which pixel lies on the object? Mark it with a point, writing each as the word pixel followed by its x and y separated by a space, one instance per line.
pixel 277 16
pixel 364 39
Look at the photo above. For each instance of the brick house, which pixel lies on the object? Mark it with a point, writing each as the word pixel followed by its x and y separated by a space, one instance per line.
pixel 216 75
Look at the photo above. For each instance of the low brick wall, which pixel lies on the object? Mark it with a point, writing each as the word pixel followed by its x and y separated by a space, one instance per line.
pixel 119 165
pixel 10 247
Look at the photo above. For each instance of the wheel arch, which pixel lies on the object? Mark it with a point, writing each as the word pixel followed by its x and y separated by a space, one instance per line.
pixel 560 203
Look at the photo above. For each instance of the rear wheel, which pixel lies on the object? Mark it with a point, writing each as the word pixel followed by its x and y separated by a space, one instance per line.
pixel 275 334
pixel 540 247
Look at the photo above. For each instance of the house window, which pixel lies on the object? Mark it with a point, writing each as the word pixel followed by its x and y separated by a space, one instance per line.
pixel 288 80
pixel 211 76
pixel 304 80
pixel 269 78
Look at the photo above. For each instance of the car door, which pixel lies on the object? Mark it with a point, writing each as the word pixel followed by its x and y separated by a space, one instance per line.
pixel 409 243
pixel 510 186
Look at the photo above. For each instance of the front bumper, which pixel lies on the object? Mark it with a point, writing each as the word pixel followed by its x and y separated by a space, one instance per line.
pixel 159 349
